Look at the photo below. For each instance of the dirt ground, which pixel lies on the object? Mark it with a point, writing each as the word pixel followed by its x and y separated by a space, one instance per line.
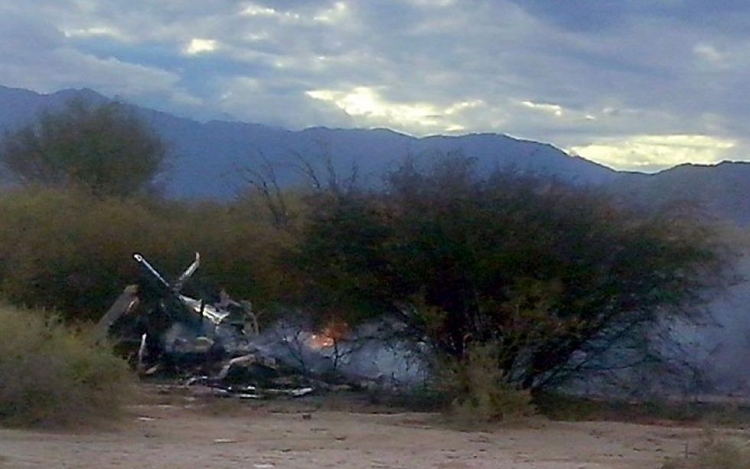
pixel 186 433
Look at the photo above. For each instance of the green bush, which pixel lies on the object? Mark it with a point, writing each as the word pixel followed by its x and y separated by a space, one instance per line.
pixel 52 376
pixel 548 270
pixel 482 391
pixel 105 149
pixel 68 251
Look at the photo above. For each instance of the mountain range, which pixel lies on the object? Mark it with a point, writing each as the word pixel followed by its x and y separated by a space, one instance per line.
pixel 213 159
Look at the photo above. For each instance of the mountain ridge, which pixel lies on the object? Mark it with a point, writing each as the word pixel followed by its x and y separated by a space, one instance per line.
pixel 212 156
pixel 213 152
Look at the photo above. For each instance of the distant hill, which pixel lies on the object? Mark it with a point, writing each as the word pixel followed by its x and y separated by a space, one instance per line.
pixel 721 190
pixel 211 155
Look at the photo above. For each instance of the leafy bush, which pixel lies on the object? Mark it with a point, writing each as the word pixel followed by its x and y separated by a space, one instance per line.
pixel 68 251
pixel 105 149
pixel 482 391
pixel 562 277
pixel 53 376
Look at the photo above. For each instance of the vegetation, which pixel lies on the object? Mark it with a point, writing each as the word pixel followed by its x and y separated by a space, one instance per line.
pixel 480 391
pixel 53 376
pixel 716 452
pixel 104 149
pixel 557 277
pixel 70 252
pixel 521 282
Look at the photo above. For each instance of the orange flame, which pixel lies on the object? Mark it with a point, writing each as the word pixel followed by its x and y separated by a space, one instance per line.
pixel 329 335
pixel 319 341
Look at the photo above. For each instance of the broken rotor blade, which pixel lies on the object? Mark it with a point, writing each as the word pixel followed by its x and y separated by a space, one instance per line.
pixel 142 260
pixel 188 273
pixel 123 305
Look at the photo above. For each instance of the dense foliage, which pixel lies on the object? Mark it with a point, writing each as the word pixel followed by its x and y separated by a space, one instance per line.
pixel 105 149
pixel 552 275
pixel 71 252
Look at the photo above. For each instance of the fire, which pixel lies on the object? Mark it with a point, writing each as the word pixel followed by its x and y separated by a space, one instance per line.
pixel 329 335
pixel 319 341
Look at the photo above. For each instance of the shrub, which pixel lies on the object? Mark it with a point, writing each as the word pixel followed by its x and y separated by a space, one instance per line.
pixel 105 149
pixel 71 252
pixel 715 453
pixel 53 376
pixel 482 391
pixel 566 279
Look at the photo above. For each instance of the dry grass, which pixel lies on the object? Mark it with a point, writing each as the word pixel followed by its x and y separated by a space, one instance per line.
pixel 716 452
pixel 482 394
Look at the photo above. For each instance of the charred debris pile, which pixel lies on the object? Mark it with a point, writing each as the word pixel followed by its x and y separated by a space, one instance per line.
pixel 218 345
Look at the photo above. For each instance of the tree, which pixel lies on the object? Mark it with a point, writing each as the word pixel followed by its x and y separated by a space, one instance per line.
pixel 553 276
pixel 105 149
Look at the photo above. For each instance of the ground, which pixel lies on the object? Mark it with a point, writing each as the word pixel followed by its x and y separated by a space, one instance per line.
pixel 189 433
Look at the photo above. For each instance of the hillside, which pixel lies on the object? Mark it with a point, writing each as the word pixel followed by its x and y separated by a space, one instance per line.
pixel 720 190
pixel 210 156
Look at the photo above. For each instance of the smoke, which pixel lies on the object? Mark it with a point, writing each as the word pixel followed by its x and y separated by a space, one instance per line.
pixel 722 350
pixel 367 353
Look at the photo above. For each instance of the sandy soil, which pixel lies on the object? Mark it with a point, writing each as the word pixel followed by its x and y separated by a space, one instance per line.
pixel 188 434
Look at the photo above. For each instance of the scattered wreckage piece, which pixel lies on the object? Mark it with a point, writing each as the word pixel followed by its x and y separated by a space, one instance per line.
pixel 196 389
pixel 124 304
pixel 158 325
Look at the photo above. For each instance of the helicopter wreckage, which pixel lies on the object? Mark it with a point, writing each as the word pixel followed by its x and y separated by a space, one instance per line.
pixel 164 332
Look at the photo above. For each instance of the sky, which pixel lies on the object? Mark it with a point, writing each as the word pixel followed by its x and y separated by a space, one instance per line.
pixel 632 84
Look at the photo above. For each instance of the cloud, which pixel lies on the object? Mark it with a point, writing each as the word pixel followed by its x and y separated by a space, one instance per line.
pixel 708 52
pixel 368 104
pixel 95 31
pixel 577 74
pixel 656 152
pixel 554 109
pixel 199 46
